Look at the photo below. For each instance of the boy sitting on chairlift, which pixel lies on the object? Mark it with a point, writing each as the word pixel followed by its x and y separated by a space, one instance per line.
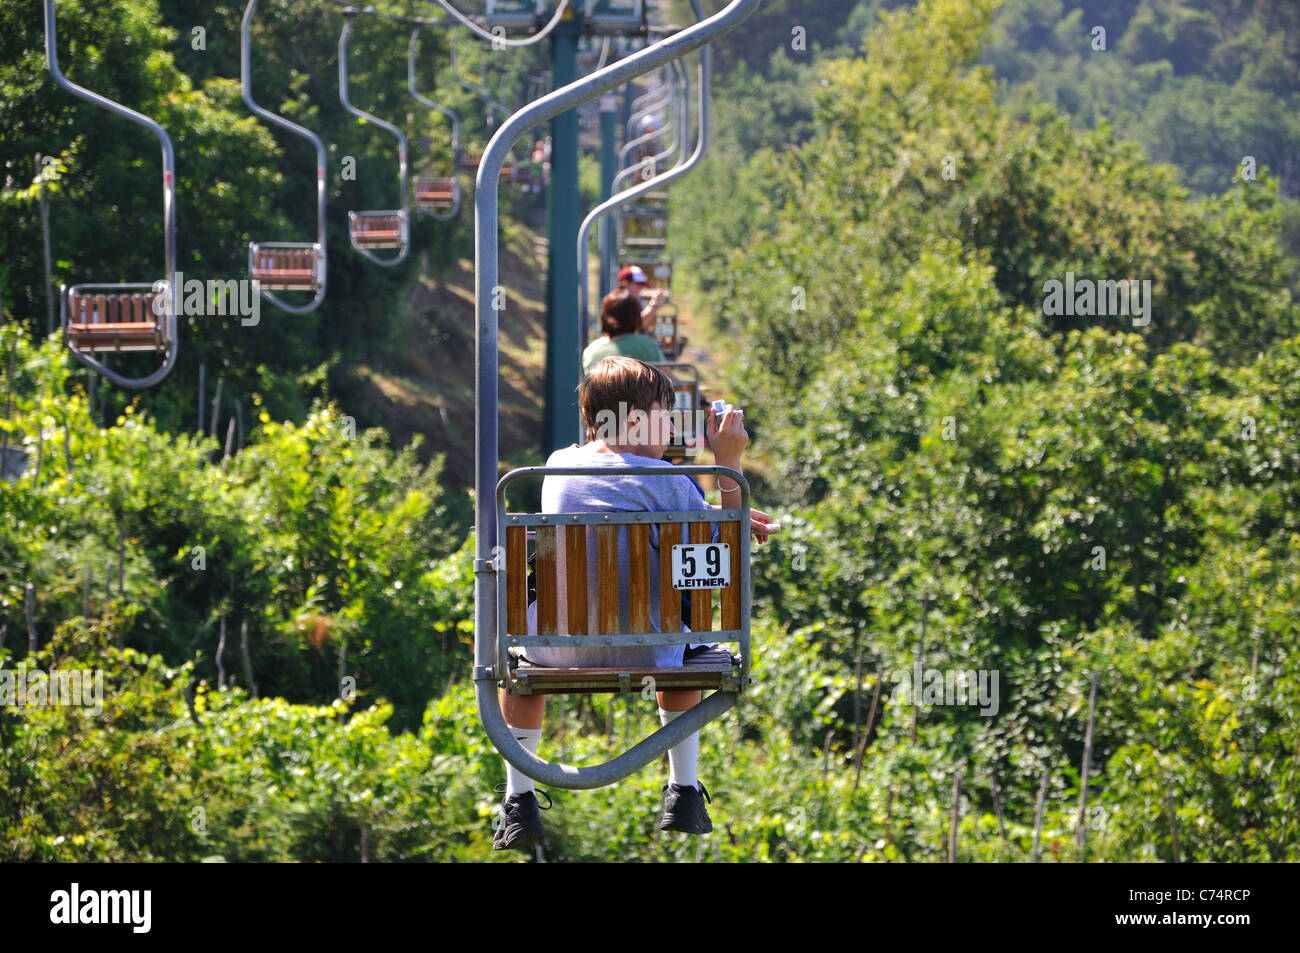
pixel 627 408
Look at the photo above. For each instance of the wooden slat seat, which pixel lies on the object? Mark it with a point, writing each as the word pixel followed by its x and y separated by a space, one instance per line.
pixel 645 242
pixel 284 269
pixel 712 670
pixel 435 192
pixel 370 230
pixel 113 322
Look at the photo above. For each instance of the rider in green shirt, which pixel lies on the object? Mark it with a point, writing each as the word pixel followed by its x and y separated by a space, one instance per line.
pixel 620 320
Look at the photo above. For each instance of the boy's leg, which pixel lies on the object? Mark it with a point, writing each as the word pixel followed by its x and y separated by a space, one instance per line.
pixel 684 756
pixel 523 714
pixel 520 825
pixel 684 796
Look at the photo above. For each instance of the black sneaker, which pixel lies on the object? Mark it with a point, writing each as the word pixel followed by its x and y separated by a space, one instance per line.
pixel 684 809
pixel 520 824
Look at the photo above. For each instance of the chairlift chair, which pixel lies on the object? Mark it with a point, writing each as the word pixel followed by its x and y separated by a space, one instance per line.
pixel 687 436
pixel 500 572
pixel 118 317
pixel 99 318
pixel 437 196
pixel 658 269
pixel 665 332
pixel 382 230
pixel 644 229
pixel 285 266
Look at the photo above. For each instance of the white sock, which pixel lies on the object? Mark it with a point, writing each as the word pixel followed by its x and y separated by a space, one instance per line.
pixel 516 781
pixel 682 759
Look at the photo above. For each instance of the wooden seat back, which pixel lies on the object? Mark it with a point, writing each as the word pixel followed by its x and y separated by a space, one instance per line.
pixel 377 229
pixel 578 576
pixel 271 263
pixel 97 320
pixel 586 591
pixel 434 192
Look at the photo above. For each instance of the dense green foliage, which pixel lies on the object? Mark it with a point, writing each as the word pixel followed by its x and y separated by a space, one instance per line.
pixel 1068 496
pixel 966 481
pixel 328 548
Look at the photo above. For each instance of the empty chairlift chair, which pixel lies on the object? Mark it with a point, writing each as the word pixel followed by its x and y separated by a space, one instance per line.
pixel 384 230
pixel 99 318
pixel 666 333
pixel 645 229
pixel 285 266
pixel 438 196
pixel 115 318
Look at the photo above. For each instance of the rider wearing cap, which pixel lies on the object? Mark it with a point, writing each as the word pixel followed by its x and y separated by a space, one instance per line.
pixel 633 280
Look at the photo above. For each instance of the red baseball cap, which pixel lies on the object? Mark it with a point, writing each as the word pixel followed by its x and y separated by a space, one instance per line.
pixel 633 273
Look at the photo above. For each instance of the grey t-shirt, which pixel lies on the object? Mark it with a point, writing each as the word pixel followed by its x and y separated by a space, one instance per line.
pixel 589 494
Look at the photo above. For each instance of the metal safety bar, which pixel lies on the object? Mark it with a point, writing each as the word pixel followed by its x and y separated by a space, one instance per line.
pixel 451 117
pixel 403 240
pixel 486 450
pixel 662 97
pixel 318 248
pixel 169 215
pixel 703 74
pixel 679 123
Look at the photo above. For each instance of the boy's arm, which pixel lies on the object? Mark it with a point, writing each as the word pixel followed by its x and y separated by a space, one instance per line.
pixel 728 438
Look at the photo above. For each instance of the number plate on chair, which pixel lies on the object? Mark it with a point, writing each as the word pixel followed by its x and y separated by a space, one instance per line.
pixel 702 566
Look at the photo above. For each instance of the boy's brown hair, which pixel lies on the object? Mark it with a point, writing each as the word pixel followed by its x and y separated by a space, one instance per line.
pixel 624 381
pixel 620 314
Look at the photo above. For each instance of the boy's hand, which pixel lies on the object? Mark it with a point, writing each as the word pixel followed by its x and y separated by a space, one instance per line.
pixel 727 436
pixel 760 524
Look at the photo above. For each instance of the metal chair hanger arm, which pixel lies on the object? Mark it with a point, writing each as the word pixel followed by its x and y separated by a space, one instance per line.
pixel 386 229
